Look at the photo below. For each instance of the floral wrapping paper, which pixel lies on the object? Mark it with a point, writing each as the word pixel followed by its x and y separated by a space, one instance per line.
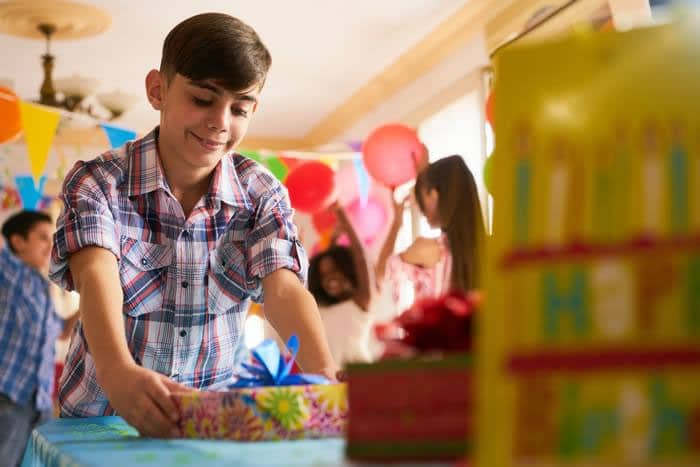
pixel 267 413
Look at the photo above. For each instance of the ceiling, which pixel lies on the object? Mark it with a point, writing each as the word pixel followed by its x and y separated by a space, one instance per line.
pixel 323 52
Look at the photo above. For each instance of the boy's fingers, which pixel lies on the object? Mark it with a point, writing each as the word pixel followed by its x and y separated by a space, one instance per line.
pixel 156 425
pixel 160 395
pixel 152 421
pixel 174 386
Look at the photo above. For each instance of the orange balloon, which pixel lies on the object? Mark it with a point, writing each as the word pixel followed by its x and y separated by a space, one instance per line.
pixel 490 109
pixel 10 118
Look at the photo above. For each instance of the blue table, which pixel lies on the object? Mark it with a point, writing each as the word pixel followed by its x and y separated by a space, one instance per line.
pixel 110 441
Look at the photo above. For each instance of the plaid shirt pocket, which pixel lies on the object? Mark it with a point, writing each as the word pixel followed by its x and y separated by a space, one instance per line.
pixel 143 270
pixel 227 279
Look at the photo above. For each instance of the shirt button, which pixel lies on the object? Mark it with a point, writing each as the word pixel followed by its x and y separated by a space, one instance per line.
pixel 183 333
pixel 144 261
pixel 184 284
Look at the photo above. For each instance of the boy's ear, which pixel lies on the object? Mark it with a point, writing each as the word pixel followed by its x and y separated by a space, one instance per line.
pixel 155 88
pixel 17 242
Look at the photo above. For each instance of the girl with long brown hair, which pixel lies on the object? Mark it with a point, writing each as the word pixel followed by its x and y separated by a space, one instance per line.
pixel 447 196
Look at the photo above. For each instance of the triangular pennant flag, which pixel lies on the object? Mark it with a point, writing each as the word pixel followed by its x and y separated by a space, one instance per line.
pixel 362 180
pixel 28 192
pixel 251 155
pixel 39 125
pixel 117 136
pixel 355 145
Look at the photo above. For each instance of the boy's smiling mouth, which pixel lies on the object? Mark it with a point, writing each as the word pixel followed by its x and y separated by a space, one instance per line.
pixel 208 143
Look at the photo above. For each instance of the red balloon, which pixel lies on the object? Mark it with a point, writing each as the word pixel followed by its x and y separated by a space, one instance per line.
pixel 324 220
pixel 391 154
pixel 311 187
pixel 490 109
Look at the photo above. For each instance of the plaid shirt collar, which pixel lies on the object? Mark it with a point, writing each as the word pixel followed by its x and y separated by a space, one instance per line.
pixel 146 174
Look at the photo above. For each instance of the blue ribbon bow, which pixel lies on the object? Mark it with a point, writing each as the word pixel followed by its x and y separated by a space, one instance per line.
pixel 271 369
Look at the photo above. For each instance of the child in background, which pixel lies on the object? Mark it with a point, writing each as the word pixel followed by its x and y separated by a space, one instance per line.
pixel 29 326
pixel 339 280
pixel 448 198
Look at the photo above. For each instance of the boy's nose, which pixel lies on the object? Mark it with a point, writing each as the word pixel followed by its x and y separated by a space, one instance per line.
pixel 220 119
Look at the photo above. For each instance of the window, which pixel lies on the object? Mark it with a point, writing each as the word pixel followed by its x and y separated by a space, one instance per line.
pixel 456 129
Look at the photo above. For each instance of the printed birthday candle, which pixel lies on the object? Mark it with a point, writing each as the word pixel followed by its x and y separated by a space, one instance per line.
pixel 590 340
pixel 523 176
pixel 678 179
pixel 652 182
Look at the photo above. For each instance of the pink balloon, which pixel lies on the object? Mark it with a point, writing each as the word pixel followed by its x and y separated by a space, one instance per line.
pixel 391 154
pixel 347 184
pixel 368 220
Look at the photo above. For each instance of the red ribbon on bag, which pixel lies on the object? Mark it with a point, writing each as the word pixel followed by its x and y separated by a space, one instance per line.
pixel 434 324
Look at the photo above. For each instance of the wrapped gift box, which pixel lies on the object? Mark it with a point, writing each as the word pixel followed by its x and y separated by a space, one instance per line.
pixel 265 413
pixel 410 409
pixel 416 403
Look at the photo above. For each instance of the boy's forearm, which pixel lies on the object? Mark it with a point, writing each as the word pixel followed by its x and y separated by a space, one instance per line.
pixel 96 274
pixel 291 309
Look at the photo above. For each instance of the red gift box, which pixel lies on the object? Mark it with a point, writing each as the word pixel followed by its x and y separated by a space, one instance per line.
pixel 408 409
pixel 416 404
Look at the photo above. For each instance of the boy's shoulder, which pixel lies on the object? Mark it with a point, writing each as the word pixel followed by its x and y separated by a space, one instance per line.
pixel 108 169
pixel 111 169
pixel 13 269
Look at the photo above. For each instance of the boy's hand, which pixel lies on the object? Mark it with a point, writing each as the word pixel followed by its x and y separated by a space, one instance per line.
pixel 143 398
pixel 333 373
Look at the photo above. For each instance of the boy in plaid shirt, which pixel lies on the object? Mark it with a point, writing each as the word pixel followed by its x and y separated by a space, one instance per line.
pixel 169 238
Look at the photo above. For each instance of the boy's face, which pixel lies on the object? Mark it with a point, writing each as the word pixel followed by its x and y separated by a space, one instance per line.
pixel 35 249
pixel 200 121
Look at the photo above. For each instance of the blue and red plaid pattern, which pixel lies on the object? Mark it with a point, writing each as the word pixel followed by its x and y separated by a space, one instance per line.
pixel 187 283
pixel 29 327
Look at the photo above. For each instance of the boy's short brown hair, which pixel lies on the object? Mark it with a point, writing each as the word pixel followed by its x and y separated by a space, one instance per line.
pixel 219 47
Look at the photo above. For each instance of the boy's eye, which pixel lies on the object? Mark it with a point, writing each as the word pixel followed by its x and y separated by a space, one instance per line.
pixel 201 102
pixel 240 112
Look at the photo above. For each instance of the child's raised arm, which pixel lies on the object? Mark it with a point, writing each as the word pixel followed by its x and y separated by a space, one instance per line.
pixel 390 241
pixel 359 259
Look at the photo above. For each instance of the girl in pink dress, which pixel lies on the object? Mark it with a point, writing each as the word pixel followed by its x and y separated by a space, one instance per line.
pixel 448 198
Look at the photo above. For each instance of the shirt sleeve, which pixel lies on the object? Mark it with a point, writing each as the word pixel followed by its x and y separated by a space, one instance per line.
pixel 273 241
pixel 86 219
